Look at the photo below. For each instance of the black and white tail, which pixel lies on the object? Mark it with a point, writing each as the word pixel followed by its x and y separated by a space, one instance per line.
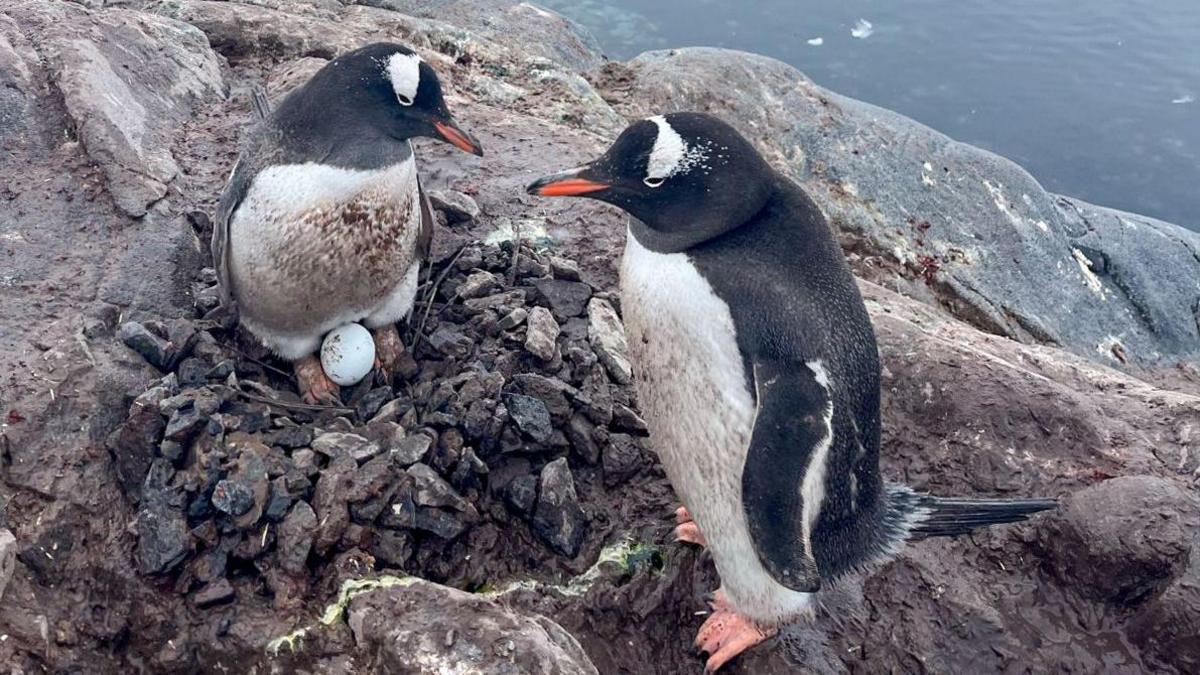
pixel 926 516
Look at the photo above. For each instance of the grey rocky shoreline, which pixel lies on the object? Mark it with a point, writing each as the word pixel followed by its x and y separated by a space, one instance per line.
pixel 172 507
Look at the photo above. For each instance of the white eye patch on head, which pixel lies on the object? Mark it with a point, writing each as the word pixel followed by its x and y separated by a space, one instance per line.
pixel 404 70
pixel 671 155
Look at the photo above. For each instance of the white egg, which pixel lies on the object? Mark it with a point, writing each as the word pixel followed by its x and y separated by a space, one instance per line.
pixel 347 354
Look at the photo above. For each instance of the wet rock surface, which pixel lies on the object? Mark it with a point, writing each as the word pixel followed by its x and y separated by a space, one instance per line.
pixel 198 547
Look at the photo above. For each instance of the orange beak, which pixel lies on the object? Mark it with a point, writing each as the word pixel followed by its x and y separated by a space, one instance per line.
pixel 566 184
pixel 458 138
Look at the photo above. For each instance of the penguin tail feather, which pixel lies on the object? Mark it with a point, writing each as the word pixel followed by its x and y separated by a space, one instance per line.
pixel 949 517
pixel 262 105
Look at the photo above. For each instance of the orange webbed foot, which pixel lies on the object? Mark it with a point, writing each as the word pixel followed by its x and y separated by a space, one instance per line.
pixel 314 385
pixel 726 633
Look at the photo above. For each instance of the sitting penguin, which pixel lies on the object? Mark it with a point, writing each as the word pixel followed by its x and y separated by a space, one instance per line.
pixel 758 375
pixel 324 221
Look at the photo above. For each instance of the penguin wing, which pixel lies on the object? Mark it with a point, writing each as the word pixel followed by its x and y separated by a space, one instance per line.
pixel 425 235
pixel 235 191
pixel 783 477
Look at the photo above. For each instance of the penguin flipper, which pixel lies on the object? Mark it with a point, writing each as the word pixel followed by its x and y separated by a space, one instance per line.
pixel 231 198
pixel 791 439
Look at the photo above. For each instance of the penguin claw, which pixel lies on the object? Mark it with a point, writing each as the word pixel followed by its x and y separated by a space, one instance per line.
pixel 726 633
pixel 687 530
pixel 690 533
pixel 315 386
pixel 682 515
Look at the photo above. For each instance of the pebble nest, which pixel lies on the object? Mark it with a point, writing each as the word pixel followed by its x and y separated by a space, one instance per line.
pixel 515 381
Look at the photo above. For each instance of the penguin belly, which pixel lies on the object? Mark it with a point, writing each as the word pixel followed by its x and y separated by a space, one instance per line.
pixel 313 247
pixel 692 388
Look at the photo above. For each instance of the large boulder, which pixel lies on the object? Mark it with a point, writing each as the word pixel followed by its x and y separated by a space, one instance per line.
pixel 128 81
pixel 944 221
pixel 541 31
pixel 430 629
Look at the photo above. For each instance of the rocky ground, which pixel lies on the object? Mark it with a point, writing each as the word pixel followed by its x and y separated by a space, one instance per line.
pixel 166 503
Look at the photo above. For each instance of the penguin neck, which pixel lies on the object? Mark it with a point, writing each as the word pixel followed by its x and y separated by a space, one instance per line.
pixel 702 230
pixel 335 135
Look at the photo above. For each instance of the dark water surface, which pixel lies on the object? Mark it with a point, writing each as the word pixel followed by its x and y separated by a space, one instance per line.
pixel 1098 99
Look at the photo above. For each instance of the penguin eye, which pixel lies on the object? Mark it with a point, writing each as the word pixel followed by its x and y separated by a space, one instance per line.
pixel 404 100
pixel 653 181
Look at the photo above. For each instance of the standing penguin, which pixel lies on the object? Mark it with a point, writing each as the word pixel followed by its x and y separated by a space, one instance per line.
pixel 324 221
pixel 757 371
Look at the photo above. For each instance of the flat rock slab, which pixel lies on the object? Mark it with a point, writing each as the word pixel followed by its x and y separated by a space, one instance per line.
pixel 426 628
pixel 128 80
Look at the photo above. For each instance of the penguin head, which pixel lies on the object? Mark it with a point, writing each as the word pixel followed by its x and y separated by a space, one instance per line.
pixel 389 89
pixel 687 176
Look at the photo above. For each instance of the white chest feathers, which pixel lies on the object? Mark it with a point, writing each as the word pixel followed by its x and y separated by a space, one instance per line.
pixel 693 390
pixel 285 191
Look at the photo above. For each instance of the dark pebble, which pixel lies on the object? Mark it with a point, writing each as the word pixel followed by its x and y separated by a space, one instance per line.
pixel 215 593
pixel 530 415
pixel 233 497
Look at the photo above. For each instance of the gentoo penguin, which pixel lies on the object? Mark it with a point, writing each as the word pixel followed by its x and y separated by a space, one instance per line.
pixel 324 221
pixel 757 371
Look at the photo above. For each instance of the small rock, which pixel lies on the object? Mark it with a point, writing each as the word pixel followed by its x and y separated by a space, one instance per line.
pixel 579 432
pixel 530 415
pixel 8 559
pixel 192 372
pixel 513 319
pixel 541 337
pixel 291 438
pixel 330 505
pixel 499 302
pixel 184 423
pixel 163 539
pixel 565 298
pixel 564 268
pixel 607 336
pixel 373 480
pixel 215 593
pixel 521 493
pixel 296 534
pixel 391 411
pixel 477 285
pixel 621 459
pixel 558 519
pixel 451 342
pixel 279 502
pixel 595 398
pixel 549 390
pixel 411 449
pixel 432 490
pixel 153 348
pixel 458 207
pixel 306 461
pixel 439 522
pixel 233 497
pixel 391 548
pixel 133 443
pixel 625 419
pixel 369 405
pixel 335 443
